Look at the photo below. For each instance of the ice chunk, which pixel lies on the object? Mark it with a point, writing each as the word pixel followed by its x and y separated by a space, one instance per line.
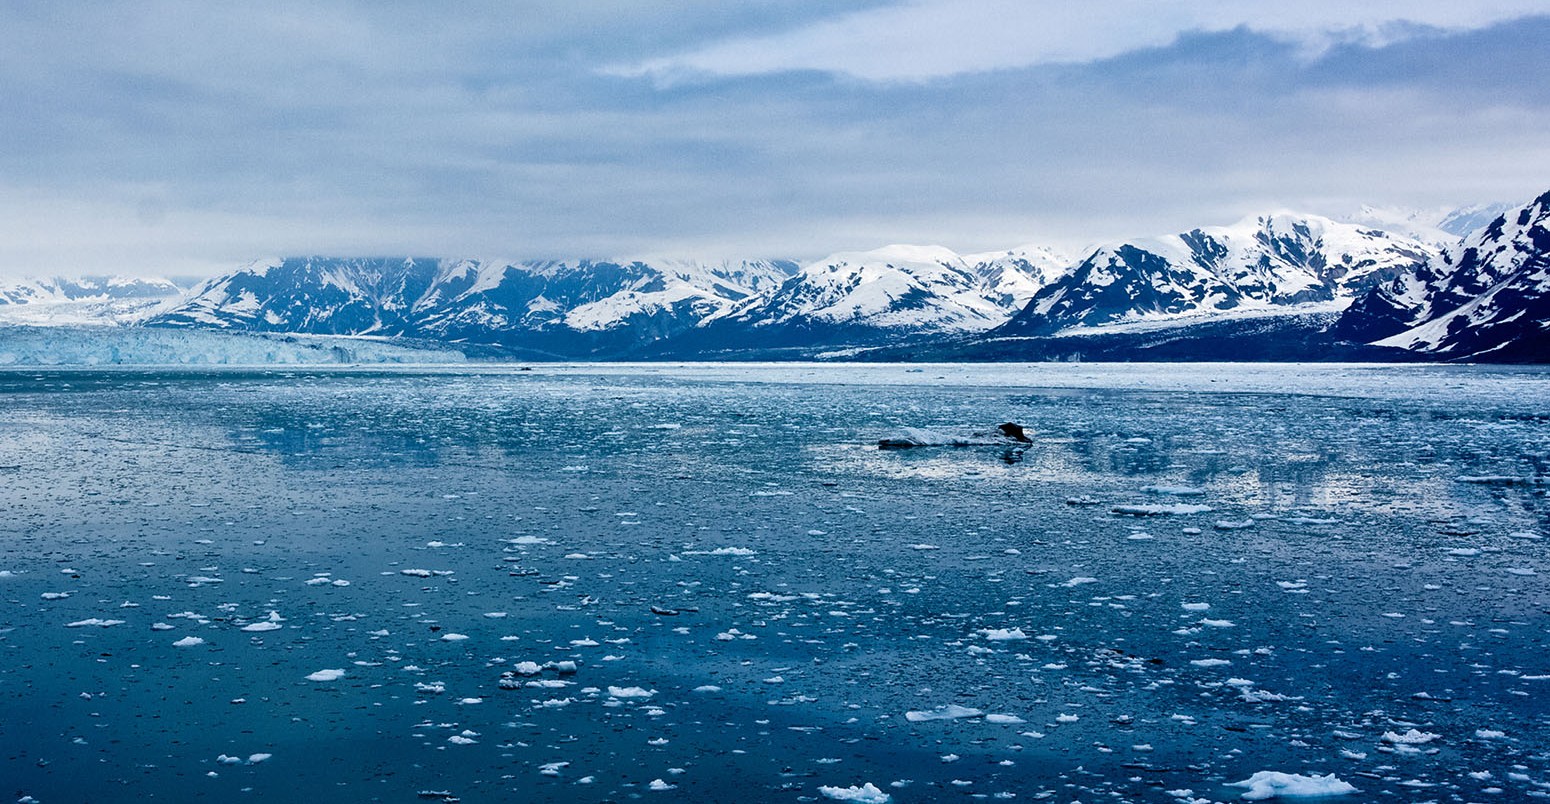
pixel 326 675
pixel 1274 784
pixel 1175 491
pixel 188 642
pixel 866 794
pixel 948 712
pixel 1161 509
pixel 1411 737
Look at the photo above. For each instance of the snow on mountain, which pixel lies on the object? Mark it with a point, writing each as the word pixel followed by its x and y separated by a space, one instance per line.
pixel 1277 261
pixel 87 300
pixel 1465 221
pixel 1489 297
pixel 547 304
pixel 900 289
pixel 1015 275
pixel 1441 226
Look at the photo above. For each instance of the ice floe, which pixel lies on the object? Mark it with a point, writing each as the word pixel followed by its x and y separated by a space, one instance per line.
pixel 945 712
pixel 867 793
pixel 1275 784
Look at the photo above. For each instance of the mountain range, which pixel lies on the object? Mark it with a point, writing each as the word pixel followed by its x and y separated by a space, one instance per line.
pixel 1468 284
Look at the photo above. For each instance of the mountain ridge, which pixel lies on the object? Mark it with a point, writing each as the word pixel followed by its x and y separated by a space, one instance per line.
pixel 1333 286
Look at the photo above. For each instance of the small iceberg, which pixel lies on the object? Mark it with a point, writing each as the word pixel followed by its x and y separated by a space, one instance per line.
pixel 948 712
pixel 1274 784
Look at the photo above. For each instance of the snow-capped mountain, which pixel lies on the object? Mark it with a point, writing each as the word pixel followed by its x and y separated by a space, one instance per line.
pixel 573 307
pixel 83 300
pixel 1015 275
pixel 590 307
pixel 1442 227
pixel 898 288
pixel 1489 297
pixel 86 288
pixel 1276 281
pixel 1263 263
pixel 894 292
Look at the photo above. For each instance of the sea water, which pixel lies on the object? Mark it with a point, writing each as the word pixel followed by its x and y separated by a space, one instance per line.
pixel 706 582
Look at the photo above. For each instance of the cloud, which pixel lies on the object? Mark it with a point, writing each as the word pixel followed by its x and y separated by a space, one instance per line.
pixel 161 136
pixel 927 39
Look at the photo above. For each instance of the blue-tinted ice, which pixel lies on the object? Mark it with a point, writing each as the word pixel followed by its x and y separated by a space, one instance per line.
pixel 707 583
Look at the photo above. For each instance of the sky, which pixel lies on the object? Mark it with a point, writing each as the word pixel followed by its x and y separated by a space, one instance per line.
pixel 185 138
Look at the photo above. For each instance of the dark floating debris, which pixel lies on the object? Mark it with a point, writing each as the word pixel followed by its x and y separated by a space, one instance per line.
pixel 1006 434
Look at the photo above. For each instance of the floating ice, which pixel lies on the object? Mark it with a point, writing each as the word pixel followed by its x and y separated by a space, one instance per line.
pixel 1274 784
pixel 188 642
pixel 93 621
pixel 1411 737
pixel 1003 634
pixel 1161 509
pixel 630 692
pixel 727 551
pixel 865 794
pixel 1175 491
pixel 947 712
pixel 326 675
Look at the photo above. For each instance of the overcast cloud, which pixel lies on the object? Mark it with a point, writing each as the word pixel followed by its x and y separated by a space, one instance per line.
pixel 164 137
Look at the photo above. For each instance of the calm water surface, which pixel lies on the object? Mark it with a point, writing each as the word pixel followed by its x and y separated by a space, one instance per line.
pixel 754 596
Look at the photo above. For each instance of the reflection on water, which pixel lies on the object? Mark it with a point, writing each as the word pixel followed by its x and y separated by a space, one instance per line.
pixel 752 593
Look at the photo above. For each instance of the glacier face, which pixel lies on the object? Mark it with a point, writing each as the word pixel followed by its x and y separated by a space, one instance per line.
pixel 1487 298
pixel 1264 262
pixel 96 345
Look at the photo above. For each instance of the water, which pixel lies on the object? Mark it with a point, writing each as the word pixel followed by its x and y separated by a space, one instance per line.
pixel 728 539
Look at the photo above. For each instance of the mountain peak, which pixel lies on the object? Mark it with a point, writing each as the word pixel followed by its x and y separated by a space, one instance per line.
pixel 1264 261
pixel 1488 296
